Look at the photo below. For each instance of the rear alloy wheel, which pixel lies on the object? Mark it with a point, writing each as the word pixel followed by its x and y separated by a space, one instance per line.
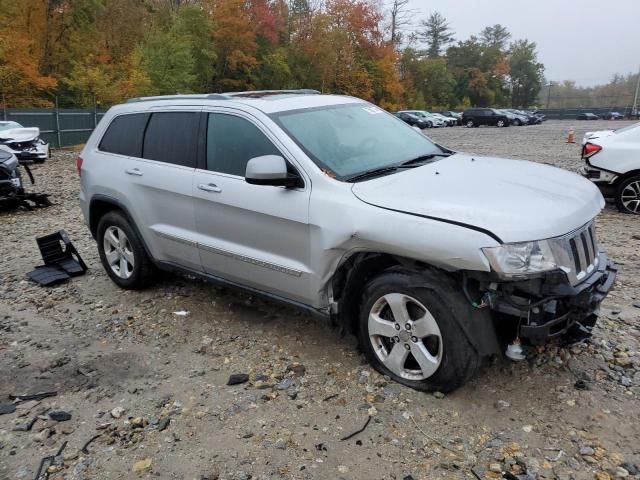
pixel 122 254
pixel 409 333
pixel 469 124
pixel 501 123
pixel 628 196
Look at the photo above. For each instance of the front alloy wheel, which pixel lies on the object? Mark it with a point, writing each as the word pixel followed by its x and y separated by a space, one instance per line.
pixel 501 123
pixel 405 336
pixel 469 123
pixel 410 329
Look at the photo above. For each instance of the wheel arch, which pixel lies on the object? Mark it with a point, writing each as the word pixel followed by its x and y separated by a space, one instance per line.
pixel 350 279
pixel 100 205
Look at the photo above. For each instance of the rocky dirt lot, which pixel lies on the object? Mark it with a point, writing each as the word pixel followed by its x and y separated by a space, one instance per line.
pixel 151 383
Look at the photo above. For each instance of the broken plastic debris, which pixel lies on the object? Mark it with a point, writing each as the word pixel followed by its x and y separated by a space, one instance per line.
pixel 181 313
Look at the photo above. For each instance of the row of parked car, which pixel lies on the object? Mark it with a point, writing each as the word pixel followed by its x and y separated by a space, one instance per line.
pixel 472 117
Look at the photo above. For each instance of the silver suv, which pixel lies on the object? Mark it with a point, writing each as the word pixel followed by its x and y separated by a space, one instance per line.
pixel 434 259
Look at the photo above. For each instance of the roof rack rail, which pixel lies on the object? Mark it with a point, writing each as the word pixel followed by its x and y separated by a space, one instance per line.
pixel 265 93
pixel 209 96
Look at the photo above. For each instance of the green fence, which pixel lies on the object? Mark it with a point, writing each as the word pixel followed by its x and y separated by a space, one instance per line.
pixel 61 127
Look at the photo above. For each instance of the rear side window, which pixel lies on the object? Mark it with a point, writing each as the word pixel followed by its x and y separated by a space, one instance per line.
pixel 171 138
pixel 233 141
pixel 124 135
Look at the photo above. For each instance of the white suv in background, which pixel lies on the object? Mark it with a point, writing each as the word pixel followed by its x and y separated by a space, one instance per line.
pixel 612 162
pixel 434 259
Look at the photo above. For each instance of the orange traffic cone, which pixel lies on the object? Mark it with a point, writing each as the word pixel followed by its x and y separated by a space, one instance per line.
pixel 571 137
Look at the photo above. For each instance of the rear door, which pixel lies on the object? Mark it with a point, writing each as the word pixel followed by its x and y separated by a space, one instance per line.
pixel 154 179
pixel 254 235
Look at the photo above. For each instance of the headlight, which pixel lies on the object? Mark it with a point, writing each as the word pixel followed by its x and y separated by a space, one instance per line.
pixel 521 259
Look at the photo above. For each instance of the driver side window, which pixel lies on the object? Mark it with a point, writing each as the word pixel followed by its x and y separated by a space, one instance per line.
pixel 232 141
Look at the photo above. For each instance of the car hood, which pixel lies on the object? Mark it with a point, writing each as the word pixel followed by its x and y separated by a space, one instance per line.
pixel 20 134
pixel 515 200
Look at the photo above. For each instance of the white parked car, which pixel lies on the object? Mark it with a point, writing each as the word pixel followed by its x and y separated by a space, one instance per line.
pixel 448 121
pixel 24 143
pixel 434 259
pixel 430 118
pixel 613 163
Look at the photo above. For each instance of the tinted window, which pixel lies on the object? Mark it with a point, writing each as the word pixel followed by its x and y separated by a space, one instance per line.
pixel 233 141
pixel 171 138
pixel 124 135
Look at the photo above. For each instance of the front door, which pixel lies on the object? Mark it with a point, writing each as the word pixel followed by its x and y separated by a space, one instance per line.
pixel 254 235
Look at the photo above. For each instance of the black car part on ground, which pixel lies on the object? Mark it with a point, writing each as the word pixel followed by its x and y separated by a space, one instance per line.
pixel 12 192
pixel 545 307
pixel 61 260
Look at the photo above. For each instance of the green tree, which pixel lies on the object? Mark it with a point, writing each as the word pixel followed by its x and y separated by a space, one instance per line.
pixel 194 24
pixel 436 33
pixel 169 63
pixel 495 36
pixel 526 73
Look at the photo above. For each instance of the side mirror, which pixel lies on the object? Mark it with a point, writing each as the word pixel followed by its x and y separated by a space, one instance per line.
pixel 270 170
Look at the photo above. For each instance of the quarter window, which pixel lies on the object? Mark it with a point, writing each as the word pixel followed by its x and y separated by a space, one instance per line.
pixel 124 135
pixel 171 138
pixel 232 141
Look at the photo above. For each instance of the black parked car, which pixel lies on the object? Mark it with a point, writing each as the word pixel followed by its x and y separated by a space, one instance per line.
pixel 587 116
pixel 474 117
pixel 412 120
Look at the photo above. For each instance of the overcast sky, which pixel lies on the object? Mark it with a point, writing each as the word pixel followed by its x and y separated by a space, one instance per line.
pixel 582 40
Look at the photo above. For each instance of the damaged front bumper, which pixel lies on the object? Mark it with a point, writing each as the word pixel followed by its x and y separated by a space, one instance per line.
pixel 550 307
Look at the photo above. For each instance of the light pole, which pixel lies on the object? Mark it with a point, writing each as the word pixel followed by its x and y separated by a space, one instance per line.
pixel 549 94
pixel 634 110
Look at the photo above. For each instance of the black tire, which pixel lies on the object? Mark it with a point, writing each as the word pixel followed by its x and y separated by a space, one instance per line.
pixel 429 125
pixel 625 188
pixel 143 269
pixel 518 122
pixel 459 361
pixel 469 124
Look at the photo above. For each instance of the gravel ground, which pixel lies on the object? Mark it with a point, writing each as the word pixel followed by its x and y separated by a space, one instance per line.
pixel 152 383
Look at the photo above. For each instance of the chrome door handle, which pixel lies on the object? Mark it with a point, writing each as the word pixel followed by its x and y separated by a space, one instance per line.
pixel 134 171
pixel 209 187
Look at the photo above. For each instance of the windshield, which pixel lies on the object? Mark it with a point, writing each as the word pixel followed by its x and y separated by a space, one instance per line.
pixel 350 139
pixel 9 125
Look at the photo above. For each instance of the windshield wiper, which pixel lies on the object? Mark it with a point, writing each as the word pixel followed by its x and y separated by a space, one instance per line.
pixel 371 173
pixel 423 158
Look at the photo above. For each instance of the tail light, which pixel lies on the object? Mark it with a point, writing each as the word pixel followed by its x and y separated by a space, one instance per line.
pixel 590 149
pixel 79 162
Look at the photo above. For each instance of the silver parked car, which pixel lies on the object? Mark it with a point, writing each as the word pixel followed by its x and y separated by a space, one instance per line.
pixel 434 259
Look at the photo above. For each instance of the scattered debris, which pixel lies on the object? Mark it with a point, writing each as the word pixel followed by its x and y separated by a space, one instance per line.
pixel 34 396
pixel 50 459
pixel 60 263
pixel 238 378
pixel 59 415
pixel 84 448
pixel 357 431
pixel 181 313
pixel 7 408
